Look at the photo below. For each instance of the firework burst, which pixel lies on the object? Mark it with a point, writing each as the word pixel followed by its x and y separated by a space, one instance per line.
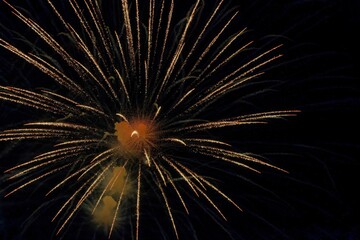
pixel 134 108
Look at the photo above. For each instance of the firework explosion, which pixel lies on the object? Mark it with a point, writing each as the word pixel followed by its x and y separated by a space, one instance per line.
pixel 135 110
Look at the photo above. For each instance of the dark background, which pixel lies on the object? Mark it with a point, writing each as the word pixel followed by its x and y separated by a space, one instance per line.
pixel 318 74
pixel 321 77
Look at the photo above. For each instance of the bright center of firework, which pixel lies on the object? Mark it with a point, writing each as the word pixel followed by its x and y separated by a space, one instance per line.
pixel 134 137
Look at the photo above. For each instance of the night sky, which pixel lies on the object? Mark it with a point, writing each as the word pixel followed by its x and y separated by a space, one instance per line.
pixel 318 74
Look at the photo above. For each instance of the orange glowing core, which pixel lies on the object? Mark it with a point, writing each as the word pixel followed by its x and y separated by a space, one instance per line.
pixel 134 137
